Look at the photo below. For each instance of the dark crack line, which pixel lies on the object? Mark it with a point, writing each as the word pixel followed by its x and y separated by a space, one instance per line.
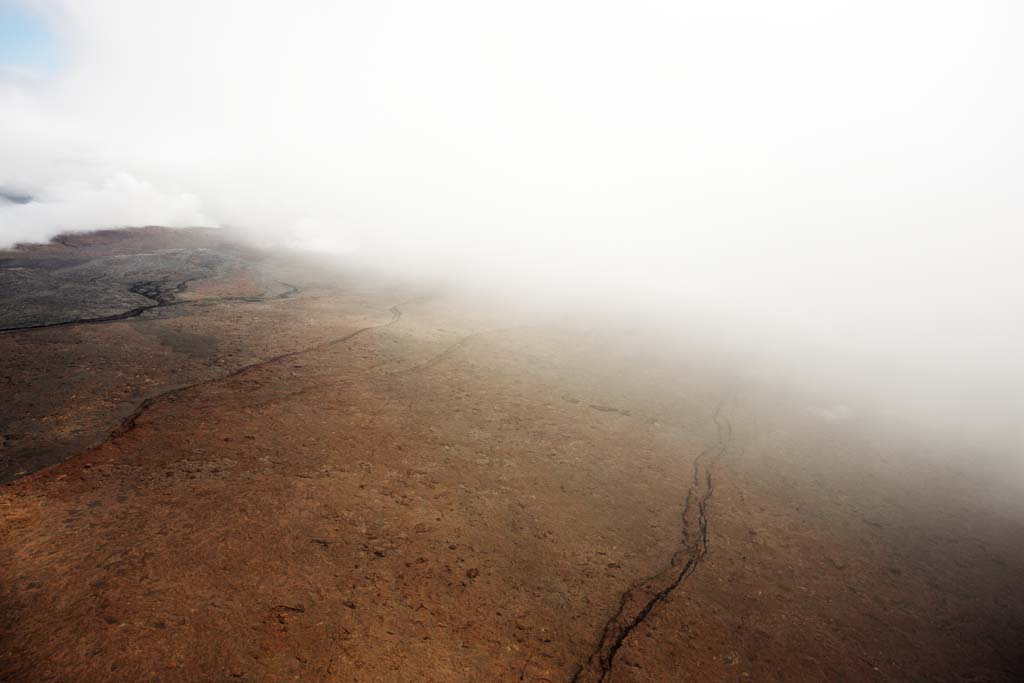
pixel 130 422
pixel 155 292
pixel 160 299
pixel 148 289
pixel 638 602
pixel 291 291
pixel 439 357
pixel 451 350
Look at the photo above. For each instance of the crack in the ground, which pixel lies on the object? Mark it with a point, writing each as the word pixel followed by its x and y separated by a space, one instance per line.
pixel 129 423
pixel 430 362
pixel 638 602
pixel 161 298
pixel 152 290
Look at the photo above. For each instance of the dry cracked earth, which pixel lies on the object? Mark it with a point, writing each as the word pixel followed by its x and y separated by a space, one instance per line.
pixel 224 464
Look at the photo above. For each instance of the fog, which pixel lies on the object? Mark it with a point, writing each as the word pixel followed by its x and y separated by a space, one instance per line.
pixel 836 181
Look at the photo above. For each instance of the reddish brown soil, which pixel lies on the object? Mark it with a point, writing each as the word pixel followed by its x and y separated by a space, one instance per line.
pixel 360 483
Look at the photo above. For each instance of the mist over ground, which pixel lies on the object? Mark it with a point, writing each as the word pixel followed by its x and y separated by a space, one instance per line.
pixel 832 187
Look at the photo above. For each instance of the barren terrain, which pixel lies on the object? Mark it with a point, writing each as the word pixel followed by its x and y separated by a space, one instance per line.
pixel 224 464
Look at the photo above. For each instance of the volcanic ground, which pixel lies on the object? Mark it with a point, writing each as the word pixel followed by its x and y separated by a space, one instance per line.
pixel 230 464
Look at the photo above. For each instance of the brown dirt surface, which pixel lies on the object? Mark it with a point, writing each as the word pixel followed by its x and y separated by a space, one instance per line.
pixel 282 472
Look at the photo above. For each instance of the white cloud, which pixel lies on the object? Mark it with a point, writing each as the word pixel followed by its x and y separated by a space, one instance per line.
pixel 117 201
pixel 846 173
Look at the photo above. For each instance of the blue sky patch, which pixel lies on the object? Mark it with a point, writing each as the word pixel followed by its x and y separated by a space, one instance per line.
pixel 25 38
